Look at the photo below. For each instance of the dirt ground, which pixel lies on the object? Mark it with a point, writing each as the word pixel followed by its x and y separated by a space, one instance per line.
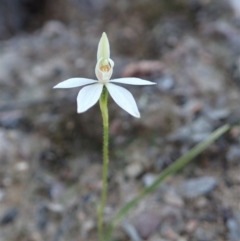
pixel 50 156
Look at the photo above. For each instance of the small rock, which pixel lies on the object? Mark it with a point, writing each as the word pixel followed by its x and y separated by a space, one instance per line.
pixel 157 238
pixel 133 170
pixel 203 234
pixel 143 68
pixel 146 223
pixel 234 176
pixel 21 166
pixel 55 207
pixel 193 106
pixel 191 225
pixel 148 179
pixel 42 217
pixel 218 114
pixel 235 131
pixel 88 225
pixel 9 216
pixel 197 186
pixel 172 198
pixel 235 4
pixel 11 119
pixel 53 29
pixel 162 161
pixel 207 77
pixel 2 193
pixel 165 83
pixel 233 229
pixel 233 153
pixel 130 230
pixel 201 202
pixel 170 234
pixel 181 134
pixel 202 125
pixel 196 132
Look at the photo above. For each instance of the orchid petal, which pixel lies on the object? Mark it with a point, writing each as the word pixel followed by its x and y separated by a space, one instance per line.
pixel 74 82
pixel 123 98
pixel 88 96
pixel 132 81
pixel 103 48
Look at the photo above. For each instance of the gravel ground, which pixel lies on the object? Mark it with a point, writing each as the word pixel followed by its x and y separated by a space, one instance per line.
pixel 50 156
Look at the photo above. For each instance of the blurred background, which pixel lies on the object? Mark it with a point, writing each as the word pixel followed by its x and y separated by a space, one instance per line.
pixel 50 157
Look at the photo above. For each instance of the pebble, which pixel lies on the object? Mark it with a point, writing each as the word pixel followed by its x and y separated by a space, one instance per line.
pixel 198 130
pixel 235 4
pixel 53 29
pixel 88 225
pixel 202 125
pixel 233 154
pixel 148 179
pixel 130 230
pixel 146 223
pixel 133 170
pixel 192 107
pixel 191 225
pixel 55 207
pixel 157 238
pixel 42 217
pixel 203 234
pixel 165 83
pixel 201 202
pixel 2 194
pixel 218 114
pixel 21 166
pixel 195 187
pixel 169 233
pixel 233 229
pixel 171 197
pixel 8 216
pixel 181 134
pixel 162 161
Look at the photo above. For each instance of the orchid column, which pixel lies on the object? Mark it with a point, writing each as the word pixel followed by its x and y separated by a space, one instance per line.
pixel 98 90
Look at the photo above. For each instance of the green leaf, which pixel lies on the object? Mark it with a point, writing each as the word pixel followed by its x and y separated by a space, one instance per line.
pixel 174 167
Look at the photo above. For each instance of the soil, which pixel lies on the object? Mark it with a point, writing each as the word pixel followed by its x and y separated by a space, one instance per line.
pixel 50 156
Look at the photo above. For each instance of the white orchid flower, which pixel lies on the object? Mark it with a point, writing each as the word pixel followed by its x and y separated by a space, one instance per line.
pixel 89 95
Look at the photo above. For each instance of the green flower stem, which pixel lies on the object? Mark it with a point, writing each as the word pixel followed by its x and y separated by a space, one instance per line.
pixel 104 110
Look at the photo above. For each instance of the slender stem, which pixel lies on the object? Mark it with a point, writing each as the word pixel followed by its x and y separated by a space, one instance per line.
pixel 104 110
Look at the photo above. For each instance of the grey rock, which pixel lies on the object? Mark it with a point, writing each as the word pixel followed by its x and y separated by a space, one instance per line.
pixel 197 186
pixel 201 128
pixel 9 216
pixel 233 154
pixel 233 226
pixel 201 125
pixel 171 197
pixel 196 131
pixel 203 234
pixel 165 83
pixel 133 170
pixel 235 4
pixel 218 114
pixel 157 238
pixel 42 217
pixel 146 223
pixel 182 134
pixel 2 194
pixel 148 179
pixel 130 230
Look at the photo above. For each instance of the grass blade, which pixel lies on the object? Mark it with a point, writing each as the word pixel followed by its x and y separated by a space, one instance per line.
pixel 174 167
